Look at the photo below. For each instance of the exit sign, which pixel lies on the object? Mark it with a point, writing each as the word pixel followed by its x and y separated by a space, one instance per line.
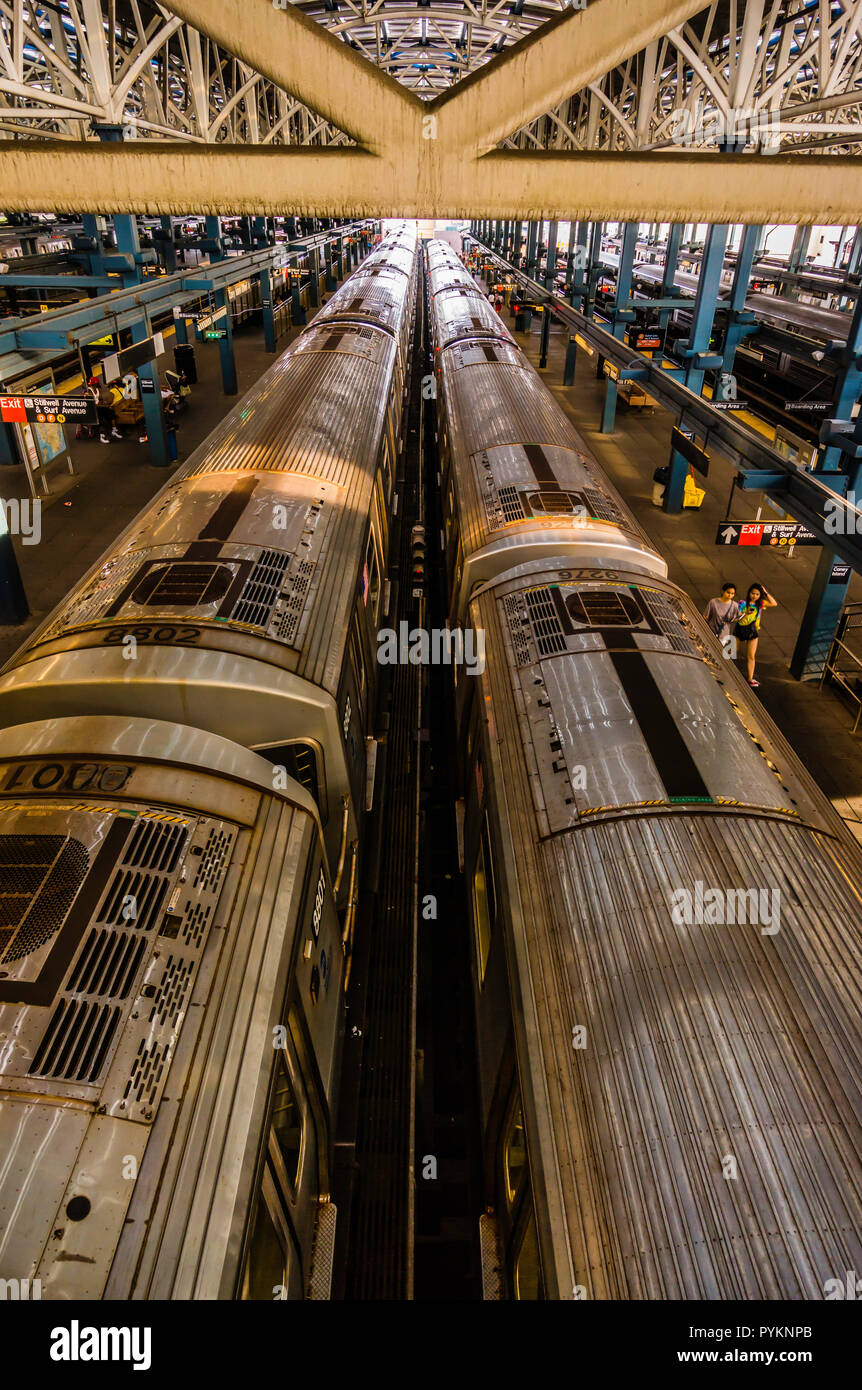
pixel 215 333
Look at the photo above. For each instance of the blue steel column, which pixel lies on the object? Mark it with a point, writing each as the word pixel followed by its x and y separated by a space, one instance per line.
pixel 546 338
pixel 126 228
pixel 154 414
pixel 840 467
pixel 532 248
pixel 268 315
pixel 517 238
pixel 796 260
pixel 169 250
pixel 576 287
pixel 696 347
pixel 314 267
pixel 221 300
pixel 577 272
pixel 820 619
pixel 570 255
pixel 551 257
pixel 697 353
pixel 622 315
pixel 297 312
pixel 330 281
pixel 741 321
pixel 671 259
pixel 229 382
pixel 594 269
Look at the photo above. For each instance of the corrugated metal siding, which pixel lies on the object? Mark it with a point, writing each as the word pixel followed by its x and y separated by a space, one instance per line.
pixel 489 405
pixel 454 311
pixel 702 1042
pixel 317 413
pixel 380 297
pixel 444 276
pixel 503 404
pixel 705 1042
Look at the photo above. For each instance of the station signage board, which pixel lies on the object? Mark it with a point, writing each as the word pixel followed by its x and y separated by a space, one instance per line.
pixel 118 364
pixel 644 339
pixel 691 452
pixel 205 321
pixel 611 372
pixel 779 533
pixel 45 410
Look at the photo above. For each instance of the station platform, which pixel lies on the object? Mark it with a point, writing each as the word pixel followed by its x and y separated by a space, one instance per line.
pixel 816 722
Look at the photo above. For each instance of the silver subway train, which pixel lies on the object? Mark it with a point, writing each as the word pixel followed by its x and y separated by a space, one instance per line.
pixel 665 908
pixel 186 768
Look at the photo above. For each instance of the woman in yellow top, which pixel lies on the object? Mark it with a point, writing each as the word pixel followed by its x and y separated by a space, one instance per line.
pixel 747 628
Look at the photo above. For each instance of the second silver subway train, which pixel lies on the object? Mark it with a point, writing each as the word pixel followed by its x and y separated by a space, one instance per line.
pixel 665 908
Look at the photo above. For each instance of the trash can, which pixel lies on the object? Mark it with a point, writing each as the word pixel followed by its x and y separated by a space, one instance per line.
pixel 659 484
pixel 184 361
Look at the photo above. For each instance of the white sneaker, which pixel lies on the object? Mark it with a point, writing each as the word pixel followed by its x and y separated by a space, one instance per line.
pixel 103 439
pixel 115 434
pixel 142 439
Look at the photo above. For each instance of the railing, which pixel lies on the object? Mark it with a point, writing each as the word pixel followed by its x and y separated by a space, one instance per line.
pixel 844 665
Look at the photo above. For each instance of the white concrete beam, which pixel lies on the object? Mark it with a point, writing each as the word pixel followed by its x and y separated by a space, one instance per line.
pixel 428 180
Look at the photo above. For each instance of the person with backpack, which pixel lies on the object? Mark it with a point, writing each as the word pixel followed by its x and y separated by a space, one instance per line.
pixel 103 397
pixel 747 630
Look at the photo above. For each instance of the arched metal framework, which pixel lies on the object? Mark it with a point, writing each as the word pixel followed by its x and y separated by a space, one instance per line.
pixel 65 64
pixel 778 74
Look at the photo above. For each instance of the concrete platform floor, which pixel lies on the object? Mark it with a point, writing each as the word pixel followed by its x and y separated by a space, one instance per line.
pixel 816 723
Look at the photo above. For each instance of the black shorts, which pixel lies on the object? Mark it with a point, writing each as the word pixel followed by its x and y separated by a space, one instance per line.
pixel 746 634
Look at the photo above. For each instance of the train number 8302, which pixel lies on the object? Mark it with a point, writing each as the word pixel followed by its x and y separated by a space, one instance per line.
pixel 151 632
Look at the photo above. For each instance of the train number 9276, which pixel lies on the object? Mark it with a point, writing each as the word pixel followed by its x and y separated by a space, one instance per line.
pixel 151 632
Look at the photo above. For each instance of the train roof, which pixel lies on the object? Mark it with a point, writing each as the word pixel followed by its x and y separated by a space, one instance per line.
pixel 212 549
pixel 649 803
pixel 94 751
pixel 396 257
pixel 464 312
pixel 443 277
pixel 493 397
pixel 293 420
pixel 617 674
pixel 379 298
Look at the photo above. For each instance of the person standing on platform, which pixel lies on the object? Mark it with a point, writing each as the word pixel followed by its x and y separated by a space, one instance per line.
pixel 721 613
pixel 101 393
pixel 747 628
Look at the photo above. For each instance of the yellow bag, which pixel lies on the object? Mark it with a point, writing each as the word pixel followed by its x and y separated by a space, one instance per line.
pixel 692 494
